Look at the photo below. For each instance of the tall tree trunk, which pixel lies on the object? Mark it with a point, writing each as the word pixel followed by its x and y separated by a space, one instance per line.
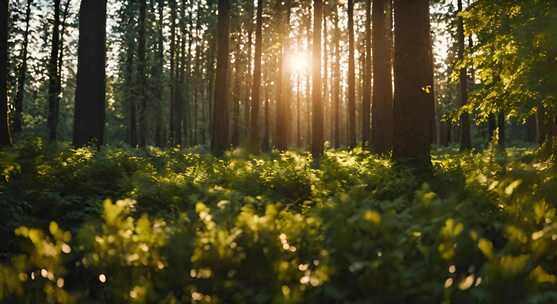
pixel 308 79
pixel 53 98
pixel 382 107
pixel 465 137
pixel 237 93
pixel 283 83
pixel 91 86
pixel 249 78
pixel 141 76
pixel 325 55
pixel 256 89
pixel 158 74
pixel 129 80
pixel 317 106
pixel 413 103
pixel 219 141
pixel 5 137
pixel 351 78
pixel 367 79
pixel 173 59
pixel 62 46
pixel 22 77
pixel 265 145
pixel 336 83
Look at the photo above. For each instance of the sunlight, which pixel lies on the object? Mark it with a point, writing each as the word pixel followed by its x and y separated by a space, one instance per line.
pixel 298 62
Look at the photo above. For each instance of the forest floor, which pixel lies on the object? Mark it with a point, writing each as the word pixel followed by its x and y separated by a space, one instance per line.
pixel 175 226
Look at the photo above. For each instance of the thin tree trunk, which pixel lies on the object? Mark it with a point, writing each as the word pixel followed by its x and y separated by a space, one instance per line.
pixel 465 137
pixel 91 86
pixel 220 109
pixel 158 74
pixel 336 83
pixel 351 78
pixel 367 80
pixel 317 106
pixel 53 98
pixel 501 128
pixel 491 127
pixel 325 54
pixel 256 90
pixel 413 103
pixel 249 77
pixel 22 77
pixel 5 137
pixel 173 59
pixel 141 76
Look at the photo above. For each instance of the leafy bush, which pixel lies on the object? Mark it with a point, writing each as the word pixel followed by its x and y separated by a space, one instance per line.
pixel 187 227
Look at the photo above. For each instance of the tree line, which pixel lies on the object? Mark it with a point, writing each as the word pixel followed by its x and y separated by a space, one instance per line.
pixel 280 73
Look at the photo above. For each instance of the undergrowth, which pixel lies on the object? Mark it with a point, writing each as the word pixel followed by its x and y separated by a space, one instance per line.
pixel 178 226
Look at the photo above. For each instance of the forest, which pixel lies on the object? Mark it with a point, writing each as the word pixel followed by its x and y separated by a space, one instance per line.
pixel 278 151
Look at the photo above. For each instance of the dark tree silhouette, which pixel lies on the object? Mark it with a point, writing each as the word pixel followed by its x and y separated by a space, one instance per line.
pixel 351 78
pixel 413 102
pixel 5 138
pixel 22 77
pixel 317 106
pixel 91 83
pixel 219 141
pixel 256 90
pixel 53 98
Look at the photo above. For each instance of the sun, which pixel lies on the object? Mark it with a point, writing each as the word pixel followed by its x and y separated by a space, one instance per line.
pixel 298 62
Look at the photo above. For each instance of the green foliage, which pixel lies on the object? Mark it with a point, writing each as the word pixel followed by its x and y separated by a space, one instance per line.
pixel 180 226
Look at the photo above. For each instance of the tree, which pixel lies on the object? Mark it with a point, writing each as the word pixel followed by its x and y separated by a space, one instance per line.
pixel 256 90
pixel 367 79
pixel 465 137
pixel 22 77
pixel 336 81
pixel 351 78
pixel 53 97
pixel 141 97
pixel 317 106
pixel 5 138
pixel 382 107
pixel 219 141
pixel 91 83
pixel 283 83
pixel 413 102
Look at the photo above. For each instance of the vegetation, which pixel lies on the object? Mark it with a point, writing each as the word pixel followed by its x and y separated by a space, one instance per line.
pixel 278 151
pixel 122 225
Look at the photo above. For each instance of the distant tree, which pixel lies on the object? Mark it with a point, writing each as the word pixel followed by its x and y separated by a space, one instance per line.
pixel 141 97
pixel 465 136
pixel 382 107
pixel 317 106
pixel 413 103
pixel 256 89
pixel 53 82
pixel 367 79
pixel 337 79
pixel 283 83
pixel 351 78
pixel 90 96
pixel 5 138
pixel 22 72
pixel 219 141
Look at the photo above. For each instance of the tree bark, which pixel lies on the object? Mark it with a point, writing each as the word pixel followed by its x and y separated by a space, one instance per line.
pixel 91 85
pixel 382 107
pixel 282 121
pixel 22 77
pixel 336 83
pixel 256 89
pixel 141 76
pixel 367 79
pixel 317 106
pixel 413 103
pixel 219 141
pixel 465 137
pixel 53 98
pixel 5 137
pixel 351 78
